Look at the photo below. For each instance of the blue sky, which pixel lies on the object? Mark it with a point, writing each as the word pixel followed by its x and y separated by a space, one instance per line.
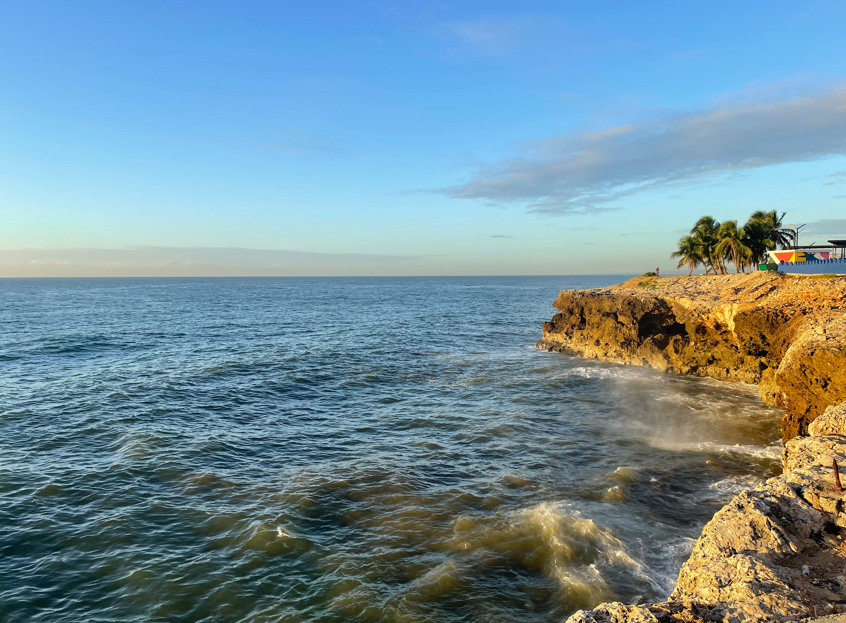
pixel 412 138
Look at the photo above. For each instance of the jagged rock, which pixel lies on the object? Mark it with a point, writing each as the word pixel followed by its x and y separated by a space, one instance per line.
pixel 831 422
pixel 812 374
pixel 747 565
pixel 788 335
pixel 665 612
pixel 614 613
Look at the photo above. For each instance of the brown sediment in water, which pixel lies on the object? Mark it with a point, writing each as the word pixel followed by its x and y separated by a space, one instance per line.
pixel 776 552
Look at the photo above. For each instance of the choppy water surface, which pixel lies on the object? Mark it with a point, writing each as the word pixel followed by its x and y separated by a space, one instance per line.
pixel 342 450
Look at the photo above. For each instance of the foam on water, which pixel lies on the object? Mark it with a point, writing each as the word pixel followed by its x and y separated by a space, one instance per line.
pixel 334 450
pixel 732 486
pixel 770 452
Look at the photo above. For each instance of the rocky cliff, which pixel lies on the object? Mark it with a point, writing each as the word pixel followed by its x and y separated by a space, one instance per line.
pixel 785 333
pixel 775 553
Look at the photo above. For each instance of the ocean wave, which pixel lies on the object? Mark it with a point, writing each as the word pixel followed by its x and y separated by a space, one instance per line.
pixel 225 450
pixel 570 549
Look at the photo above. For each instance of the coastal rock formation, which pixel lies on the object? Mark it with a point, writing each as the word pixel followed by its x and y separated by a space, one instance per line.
pixel 785 333
pixel 775 553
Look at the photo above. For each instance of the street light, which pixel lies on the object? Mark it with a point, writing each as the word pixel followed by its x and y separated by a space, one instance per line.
pixel 798 228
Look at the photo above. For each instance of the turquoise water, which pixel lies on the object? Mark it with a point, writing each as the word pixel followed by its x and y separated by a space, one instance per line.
pixel 228 450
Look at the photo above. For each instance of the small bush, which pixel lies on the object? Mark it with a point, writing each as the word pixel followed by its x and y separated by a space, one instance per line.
pixel 649 274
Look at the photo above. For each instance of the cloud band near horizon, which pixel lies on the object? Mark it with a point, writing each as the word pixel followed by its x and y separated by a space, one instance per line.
pixel 185 261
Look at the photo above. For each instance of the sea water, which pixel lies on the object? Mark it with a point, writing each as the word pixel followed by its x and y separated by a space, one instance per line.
pixel 381 449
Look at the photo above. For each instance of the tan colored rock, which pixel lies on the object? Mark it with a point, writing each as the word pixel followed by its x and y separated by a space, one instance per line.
pixel 831 422
pixel 748 564
pixel 812 374
pixel 787 334
pixel 614 613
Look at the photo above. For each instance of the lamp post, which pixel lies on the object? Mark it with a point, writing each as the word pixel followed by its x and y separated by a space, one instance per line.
pixel 798 228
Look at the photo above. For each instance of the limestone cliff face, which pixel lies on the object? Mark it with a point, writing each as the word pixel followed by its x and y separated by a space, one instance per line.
pixel 775 553
pixel 786 334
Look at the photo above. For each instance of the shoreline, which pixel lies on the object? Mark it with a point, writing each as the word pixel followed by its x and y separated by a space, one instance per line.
pixel 787 335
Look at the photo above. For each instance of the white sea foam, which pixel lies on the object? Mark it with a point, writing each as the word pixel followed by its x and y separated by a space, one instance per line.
pixel 772 451
pixel 597 372
pixel 676 553
pixel 732 486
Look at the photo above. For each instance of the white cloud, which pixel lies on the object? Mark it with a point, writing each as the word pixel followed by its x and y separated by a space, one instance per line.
pixel 587 172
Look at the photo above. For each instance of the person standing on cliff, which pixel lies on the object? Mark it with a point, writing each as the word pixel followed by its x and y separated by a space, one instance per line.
pixel 657 271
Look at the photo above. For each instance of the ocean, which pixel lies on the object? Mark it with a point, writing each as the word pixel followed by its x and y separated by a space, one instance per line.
pixel 351 449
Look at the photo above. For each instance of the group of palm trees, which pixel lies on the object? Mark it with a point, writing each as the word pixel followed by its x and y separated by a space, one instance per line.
pixel 713 245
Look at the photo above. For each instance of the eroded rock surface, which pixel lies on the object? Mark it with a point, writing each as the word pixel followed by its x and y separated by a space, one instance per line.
pixel 775 553
pixel 786 334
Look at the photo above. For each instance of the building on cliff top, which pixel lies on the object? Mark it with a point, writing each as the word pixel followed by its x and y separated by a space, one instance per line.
pixel 812 260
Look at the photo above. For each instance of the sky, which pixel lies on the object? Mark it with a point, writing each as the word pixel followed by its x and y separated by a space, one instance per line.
pixel 415 138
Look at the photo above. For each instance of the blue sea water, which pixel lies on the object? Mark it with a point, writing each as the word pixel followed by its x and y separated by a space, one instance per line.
pixel 230 450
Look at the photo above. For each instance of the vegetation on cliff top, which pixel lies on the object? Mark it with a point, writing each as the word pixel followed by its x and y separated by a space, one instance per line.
pixel 713 245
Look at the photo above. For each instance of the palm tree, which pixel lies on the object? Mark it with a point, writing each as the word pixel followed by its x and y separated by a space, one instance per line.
pixel 689 254
pixel 705 248
pixel 756 238
pixel 730 245
pixel 773 226
pixel 704 233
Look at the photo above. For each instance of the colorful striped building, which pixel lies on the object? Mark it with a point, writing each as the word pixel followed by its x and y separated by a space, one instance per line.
pixel 812 260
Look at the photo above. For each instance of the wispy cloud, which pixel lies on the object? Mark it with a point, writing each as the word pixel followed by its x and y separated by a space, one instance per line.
pixel 590 171
pixel 492 37
pixel 501 236
pixel 836 178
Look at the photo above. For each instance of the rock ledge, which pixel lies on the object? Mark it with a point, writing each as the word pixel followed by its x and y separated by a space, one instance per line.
pixel 785 333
